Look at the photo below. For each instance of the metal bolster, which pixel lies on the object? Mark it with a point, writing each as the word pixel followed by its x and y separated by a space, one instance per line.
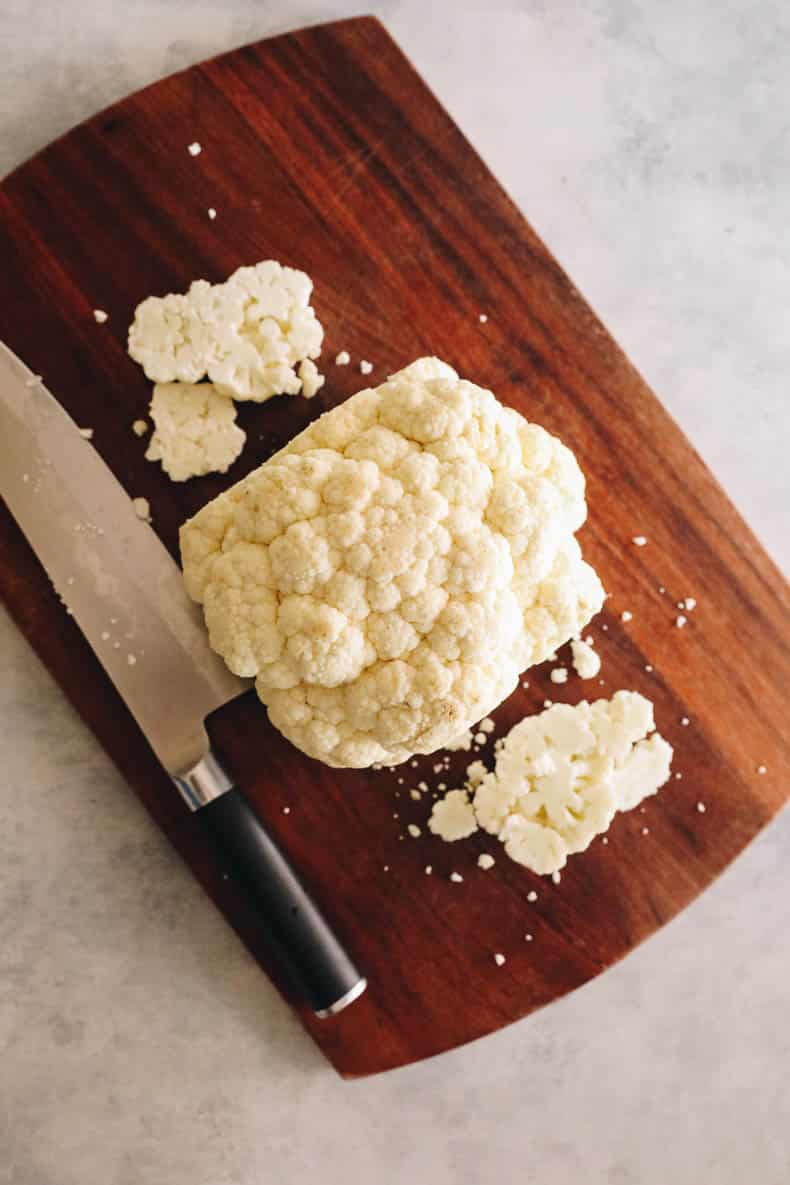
pixel 203 782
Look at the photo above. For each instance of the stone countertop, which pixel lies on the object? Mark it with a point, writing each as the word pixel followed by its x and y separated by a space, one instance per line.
pixel 138 1041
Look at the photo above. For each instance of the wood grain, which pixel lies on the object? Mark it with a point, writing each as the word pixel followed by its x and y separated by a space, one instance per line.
pixel 325 150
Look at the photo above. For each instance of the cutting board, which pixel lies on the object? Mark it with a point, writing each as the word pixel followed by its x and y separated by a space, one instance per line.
pixel 324 149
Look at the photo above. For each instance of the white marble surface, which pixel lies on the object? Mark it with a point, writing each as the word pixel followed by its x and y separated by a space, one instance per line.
pixel 138 1042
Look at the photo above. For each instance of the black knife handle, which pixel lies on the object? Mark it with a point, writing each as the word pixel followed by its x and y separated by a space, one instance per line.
pixel 318 962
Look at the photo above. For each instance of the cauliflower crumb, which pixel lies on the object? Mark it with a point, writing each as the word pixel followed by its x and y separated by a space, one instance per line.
pixel 139 427
pixel 626 615
pixel 532 895
pixel 560 778
pixel 487 725
pixel 680 621
pixel 639 540
pixel 701 807
pixel 485 861
pixel 414 831
pixel 528 938
pixel 100 316
pixel 559 675
pixel 86 433
pixel 428 869
pixel 312 381
pixel 481 738
pixel 212 213
pixel 762 769
pixel 195 430
pixel 586 661
pixel 684 720
pixel 142 508
pixel 194 149
pixel 389 573
pixel 499 959
pixel 483 318
pixel 343 358
pixel 247 335
pixel 365 367
pixel 131 660
pixel 453 817
pixel 689 604
pixel 415 794
pixel 456 878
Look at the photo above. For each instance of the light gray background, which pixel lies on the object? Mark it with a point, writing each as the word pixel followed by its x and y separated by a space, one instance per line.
pixel 649 144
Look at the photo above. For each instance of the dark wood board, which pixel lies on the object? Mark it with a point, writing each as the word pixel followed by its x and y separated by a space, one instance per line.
pixel 324 149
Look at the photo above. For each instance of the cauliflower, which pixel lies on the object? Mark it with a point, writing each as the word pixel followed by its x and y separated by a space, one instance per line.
pixel 453 817
pixel 247 335
pixel 561 776
pixel 388 574
pixel 195 430
pixel 586 661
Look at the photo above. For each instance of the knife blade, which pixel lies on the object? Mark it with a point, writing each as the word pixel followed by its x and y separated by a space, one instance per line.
pixel 126 594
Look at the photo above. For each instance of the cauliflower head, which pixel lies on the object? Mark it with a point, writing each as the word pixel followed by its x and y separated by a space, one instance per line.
pixel 388 574
pixel 248 335
pixel 195 430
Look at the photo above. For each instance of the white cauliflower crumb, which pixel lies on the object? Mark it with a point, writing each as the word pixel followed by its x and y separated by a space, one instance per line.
pixel 586 661
pixel 414 831
pixel 194 149
pixel 561 776
pixel 312 381
pixel 100 316
pixel 483 318
pixel 86 433
pixel 365 367
pixel 626 615
pixel 212 213
pixel 343 358
pixel 247 335
pixel 195 430
pixel 689 604
pixel 456 878
pixel 485 861
pixel 680 621
pixel 142 508
pixel 487 725
pixel 388 574
pixel 139 427
pixel 453 817
pixel 499 959
pixel 532 896
pixel 559 675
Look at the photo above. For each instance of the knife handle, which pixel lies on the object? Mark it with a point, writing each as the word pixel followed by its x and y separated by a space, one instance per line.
pixel 250 857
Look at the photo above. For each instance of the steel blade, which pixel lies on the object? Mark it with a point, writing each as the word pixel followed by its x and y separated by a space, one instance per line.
pixel 110 569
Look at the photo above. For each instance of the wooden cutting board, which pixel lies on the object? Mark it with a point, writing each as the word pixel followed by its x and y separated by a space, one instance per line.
pixel 324 149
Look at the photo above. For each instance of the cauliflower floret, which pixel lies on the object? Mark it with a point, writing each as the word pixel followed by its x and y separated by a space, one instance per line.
pixel 248 335
pixel 561 776
pixel 388 574
pixel 454 817
pixel 194 430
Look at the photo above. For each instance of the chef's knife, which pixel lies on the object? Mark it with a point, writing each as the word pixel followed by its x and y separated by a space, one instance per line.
pixel 127 596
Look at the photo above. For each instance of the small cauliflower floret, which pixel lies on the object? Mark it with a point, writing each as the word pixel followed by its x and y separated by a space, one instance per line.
pixel 454 817
pixel 561 776
pixel 194 430
pixel 388 574
pixel 247 335
pixel 586 661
